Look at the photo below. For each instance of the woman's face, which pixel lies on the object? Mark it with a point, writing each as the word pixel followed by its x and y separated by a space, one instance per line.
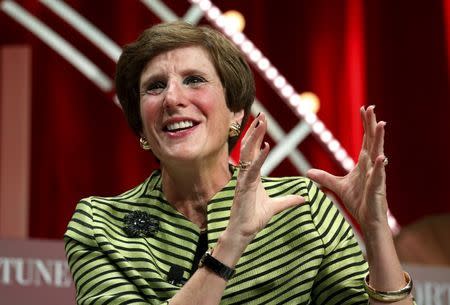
pixel 183 108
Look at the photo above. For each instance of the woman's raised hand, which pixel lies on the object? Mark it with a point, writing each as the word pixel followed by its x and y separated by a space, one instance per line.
pixel 363 190
pixel 252 208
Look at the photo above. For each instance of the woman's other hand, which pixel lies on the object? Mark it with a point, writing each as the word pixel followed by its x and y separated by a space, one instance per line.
pixel 363 190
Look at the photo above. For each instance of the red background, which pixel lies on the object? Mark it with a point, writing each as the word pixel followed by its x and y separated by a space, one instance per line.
pixel 394 54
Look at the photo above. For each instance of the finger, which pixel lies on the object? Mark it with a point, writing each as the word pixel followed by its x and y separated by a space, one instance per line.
pixel 259 132
pixel 253 139
pixel 377 183
pixel 252 174
pixel 362 113
pixel 323 178
pixel 252 126
pixel 371 121
pixel 378 143
pixel 369 131
pixel 364 156
pixel 280 204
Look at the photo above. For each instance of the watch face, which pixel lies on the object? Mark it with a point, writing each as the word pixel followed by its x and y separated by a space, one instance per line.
pixel 201 263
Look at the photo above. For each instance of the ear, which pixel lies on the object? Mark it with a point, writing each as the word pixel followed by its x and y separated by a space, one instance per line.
pixel 237 116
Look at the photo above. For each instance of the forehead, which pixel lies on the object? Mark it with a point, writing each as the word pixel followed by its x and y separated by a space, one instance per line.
pixel 179 60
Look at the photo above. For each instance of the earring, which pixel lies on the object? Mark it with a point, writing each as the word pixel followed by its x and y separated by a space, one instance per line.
pixel 144 144
pixel 235 129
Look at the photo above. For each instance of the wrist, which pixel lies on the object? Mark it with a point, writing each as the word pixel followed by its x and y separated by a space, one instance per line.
pixel 376 239
pixel 375 230
pixel 384 266
pixel 229 247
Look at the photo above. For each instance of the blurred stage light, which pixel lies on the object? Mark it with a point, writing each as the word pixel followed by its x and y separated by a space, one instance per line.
pixel 235 21
pixel 310 102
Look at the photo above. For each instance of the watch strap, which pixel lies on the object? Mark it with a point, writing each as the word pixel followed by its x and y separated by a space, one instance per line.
pixel 216 266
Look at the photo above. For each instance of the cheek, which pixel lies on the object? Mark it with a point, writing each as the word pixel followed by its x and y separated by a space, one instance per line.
pixel 212 102
pixel 149 113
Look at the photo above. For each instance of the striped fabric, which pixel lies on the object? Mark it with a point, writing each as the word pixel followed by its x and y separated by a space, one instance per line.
pixel 305 255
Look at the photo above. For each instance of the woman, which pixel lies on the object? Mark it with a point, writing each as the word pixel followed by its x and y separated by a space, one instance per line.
pixel 186 91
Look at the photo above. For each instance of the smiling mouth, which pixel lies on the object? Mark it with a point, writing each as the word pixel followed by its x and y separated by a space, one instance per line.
pixel 179 126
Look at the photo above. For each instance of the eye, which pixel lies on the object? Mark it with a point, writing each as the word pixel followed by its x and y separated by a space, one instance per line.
pixel 155 88
pixel 194 80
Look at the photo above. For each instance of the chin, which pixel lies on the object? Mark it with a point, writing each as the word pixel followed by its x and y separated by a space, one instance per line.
pixel 185 156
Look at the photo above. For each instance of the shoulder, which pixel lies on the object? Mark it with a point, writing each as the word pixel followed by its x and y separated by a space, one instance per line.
pixel 95 211
pixel 138 191
pixel 138 195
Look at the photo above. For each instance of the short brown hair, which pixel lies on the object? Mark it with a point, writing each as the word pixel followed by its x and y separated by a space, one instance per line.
pixel 234 72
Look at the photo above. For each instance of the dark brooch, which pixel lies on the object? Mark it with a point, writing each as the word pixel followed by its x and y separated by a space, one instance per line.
pixel 140 224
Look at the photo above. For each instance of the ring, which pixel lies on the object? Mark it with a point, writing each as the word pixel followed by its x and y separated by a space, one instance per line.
pixel 385 161
pixel 244 165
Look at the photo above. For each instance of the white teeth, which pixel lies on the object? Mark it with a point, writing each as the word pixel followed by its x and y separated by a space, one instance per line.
pixel 180 125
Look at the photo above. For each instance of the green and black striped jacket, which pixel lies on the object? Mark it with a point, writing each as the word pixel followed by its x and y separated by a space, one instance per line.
pixel 305 255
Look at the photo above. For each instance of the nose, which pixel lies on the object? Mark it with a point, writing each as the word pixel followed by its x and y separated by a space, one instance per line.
pixel 174 95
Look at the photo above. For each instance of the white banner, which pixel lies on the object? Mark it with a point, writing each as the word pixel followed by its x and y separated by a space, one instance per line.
pixel 36 272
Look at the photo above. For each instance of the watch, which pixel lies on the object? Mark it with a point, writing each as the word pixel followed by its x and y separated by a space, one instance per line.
pixel 216 266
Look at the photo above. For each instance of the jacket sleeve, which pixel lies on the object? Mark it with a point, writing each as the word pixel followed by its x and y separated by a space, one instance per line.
pixel 343 268
pixel 101 278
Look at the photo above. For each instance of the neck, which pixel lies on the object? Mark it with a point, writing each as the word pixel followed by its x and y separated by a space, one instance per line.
pixel 188 189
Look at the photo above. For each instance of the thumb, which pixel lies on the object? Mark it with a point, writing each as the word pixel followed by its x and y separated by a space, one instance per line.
pixel 280 204
pixel 323 178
